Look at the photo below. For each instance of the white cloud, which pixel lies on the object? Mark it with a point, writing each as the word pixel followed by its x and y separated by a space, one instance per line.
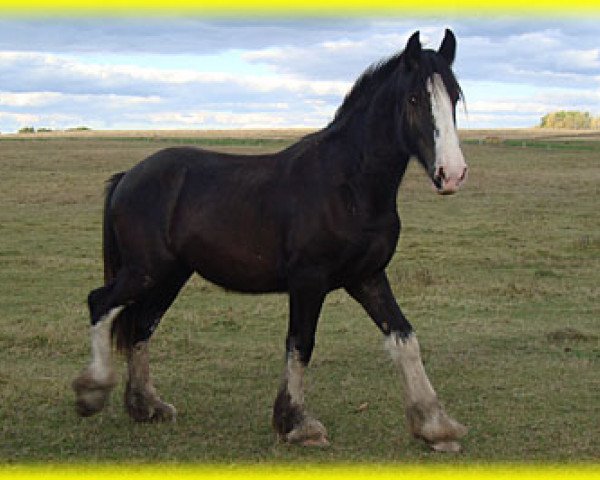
pixel 340 59
pixel 46 67
pixel 52 120
pixel 29 99
pixel 213 119
pixel 509 105
pixel 585 59
pixel 19 118
pixel 44 99
pixel 293 72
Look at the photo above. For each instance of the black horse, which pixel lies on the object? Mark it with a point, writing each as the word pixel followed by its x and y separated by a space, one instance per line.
pixel 318 216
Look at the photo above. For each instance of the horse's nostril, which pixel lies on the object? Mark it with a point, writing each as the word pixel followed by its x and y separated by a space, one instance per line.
pixel 464 175
pixel 439 178
pixel 441 173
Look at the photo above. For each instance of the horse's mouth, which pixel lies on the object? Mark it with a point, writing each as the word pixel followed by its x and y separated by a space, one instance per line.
pixel 447 185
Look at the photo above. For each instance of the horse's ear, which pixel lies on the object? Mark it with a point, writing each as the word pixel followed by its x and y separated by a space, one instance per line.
pixel 448 47
pixel 412 52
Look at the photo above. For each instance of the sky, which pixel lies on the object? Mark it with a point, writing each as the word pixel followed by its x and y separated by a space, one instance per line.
pixel 209 73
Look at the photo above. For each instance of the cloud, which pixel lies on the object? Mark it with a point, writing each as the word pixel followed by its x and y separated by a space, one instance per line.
pixel 197 72
pixel 18 118
pixel 585 60
pixel 525 110
pixel 553 54
pixel 342 58
pixel 46 99
pixel 55 72
pixel 29 99
pixel 166 35
pixel 214 119
pixel 46 83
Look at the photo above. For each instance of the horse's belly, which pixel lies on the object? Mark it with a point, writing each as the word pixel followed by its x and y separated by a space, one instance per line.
pixel 238 268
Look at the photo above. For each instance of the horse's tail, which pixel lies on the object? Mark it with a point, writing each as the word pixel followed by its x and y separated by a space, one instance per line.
pixel 121 327
pixel 110 249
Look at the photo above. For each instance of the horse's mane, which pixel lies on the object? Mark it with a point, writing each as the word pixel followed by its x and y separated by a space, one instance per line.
pixel 378 73
pixel 370 79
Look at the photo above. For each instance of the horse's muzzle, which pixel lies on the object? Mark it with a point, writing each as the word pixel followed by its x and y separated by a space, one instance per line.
pixel 446 184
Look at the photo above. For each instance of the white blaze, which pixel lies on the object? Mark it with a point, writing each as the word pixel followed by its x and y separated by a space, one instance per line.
pixel 448 154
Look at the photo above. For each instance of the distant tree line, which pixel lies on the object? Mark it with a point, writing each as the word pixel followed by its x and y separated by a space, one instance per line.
pixel 43 129
pixel 570 119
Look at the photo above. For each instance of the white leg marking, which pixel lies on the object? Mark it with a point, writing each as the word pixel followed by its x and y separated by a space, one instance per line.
pixel 294 375
pixel 309 431
pixel 101 367
pixel 406 354
pixel 426 418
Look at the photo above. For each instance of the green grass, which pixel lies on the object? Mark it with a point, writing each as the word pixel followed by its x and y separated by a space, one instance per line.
pixel 550 144
pixel 501 282
pixel 274 143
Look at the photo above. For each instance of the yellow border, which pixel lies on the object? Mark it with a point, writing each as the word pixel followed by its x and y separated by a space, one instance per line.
pixel 289 8
pixel 300 472
pixel 301 7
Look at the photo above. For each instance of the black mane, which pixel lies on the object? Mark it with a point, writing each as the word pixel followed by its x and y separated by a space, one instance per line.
pixel 375 76
pixel 369 81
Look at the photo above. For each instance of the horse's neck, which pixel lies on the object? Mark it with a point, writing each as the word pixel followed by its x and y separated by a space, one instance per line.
pixel 378 156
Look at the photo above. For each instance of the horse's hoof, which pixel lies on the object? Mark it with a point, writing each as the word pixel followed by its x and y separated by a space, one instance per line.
pixel 146 406
pixel 91 394
pixel 91 401
pixel 309 433
pixel 432 424
pixel 321 442
pixel 446 447
pixel 164 412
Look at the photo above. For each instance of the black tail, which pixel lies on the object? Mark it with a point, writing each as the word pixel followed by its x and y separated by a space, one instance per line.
pixel 110 249
pixel 122 327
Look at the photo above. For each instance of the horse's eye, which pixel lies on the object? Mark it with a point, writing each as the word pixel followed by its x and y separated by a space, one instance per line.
pixel 413 100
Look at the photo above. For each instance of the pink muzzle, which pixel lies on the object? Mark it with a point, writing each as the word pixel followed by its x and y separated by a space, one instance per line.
pixel 450 181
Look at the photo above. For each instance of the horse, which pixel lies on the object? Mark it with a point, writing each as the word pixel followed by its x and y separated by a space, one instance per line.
pixel 318 216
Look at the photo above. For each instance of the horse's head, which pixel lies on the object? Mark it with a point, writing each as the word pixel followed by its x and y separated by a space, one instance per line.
pixel 427 101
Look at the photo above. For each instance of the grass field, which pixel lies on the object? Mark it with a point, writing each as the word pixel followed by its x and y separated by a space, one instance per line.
pixel 502 284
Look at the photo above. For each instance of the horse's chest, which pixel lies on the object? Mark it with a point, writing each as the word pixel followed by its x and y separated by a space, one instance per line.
pixel 373 252
pixel 347 250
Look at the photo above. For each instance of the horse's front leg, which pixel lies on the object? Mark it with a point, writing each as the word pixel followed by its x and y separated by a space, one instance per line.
pixel 290 419
pixel 425 415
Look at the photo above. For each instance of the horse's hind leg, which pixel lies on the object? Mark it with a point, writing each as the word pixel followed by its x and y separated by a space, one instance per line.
pixel 93 386
pixel 141 399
